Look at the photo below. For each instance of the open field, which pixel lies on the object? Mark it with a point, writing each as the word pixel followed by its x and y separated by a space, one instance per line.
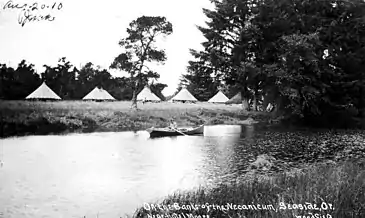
pixel 38 117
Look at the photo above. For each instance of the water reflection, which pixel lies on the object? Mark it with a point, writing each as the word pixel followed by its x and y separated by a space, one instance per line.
pixel 249 132
pixel 220 140
pixel 111 173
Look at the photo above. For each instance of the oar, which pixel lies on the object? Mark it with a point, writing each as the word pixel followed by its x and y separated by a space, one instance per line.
pixel 180 132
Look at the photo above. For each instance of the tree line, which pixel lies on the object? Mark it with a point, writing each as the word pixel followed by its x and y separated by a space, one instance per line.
pixel 67 81
pixel 139 49
pixel 305 56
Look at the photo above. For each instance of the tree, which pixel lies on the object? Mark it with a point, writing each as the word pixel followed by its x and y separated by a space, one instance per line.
pixel 61 79
pixel 7 81
pixel 200 77
pixel 276 49
pixel 18 83
pixel 91 76
pixel 291 37
pixel 224 41
pixel 85 79
pixel 121 88
pixel 140 49
pixel 102 79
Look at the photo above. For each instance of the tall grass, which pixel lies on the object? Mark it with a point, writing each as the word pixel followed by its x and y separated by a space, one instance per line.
pixel 113 106
pixel 341 185
pixel 24 117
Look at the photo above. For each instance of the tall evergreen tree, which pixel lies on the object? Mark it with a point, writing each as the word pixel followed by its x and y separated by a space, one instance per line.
pixel 200 77
pixel 224 38
pixel 276 47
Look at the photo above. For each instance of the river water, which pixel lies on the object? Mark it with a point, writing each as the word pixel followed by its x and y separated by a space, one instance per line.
pixel 111 174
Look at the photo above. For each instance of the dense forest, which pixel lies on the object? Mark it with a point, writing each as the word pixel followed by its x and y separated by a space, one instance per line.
pixel 307 57
pixel 67 81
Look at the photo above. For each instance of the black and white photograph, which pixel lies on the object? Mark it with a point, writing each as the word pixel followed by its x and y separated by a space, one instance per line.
pixel 182 109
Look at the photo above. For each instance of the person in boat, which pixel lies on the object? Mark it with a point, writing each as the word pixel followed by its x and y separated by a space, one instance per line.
pixel 173 124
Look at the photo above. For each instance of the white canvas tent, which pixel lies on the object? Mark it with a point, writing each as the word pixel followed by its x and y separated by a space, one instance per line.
pixel 98 94
pixel 184 95
pixel 43 92
pixel 218 98
pixel 237 99
pixel 147 95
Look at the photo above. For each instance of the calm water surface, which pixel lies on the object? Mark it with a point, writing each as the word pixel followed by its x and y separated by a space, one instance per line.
pixel 111 174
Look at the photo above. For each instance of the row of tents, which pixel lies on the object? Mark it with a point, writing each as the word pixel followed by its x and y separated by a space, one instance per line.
pixel 99 94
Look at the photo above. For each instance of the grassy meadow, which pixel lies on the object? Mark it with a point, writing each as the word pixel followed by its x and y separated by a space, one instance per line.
pixel 40 117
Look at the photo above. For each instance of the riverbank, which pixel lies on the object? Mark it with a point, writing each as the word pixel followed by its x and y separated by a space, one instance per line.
pixel 324 190
pixel 20 118
pixel 294 174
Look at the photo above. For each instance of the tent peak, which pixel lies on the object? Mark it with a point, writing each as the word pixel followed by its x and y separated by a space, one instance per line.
pixel 43 92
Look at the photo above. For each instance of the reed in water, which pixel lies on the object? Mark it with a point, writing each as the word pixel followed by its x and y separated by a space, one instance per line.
pixel 336 190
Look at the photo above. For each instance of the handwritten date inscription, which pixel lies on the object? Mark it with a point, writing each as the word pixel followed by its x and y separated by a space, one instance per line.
pixel 33 12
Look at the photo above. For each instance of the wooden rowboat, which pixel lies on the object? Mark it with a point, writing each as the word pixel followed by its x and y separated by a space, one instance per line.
pixel 161 132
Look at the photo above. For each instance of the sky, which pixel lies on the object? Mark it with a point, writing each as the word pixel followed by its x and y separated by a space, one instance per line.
pixel 89 31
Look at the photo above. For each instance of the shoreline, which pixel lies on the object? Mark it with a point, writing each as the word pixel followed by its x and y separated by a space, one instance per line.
pixel 22 118
pixel 328 169
pixel 314 184
pixel 334 162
